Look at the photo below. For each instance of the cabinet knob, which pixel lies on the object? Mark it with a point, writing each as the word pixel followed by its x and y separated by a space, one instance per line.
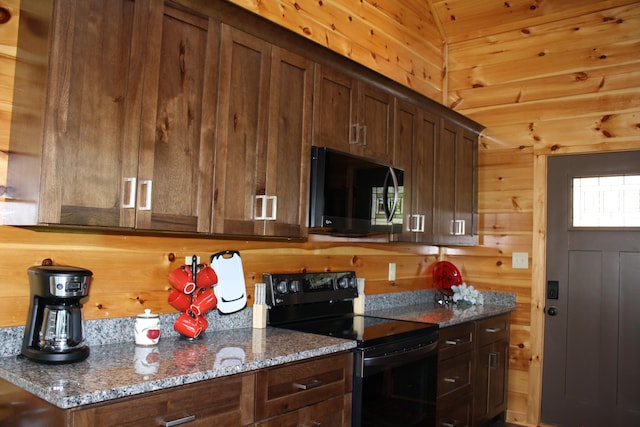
pixel 552 311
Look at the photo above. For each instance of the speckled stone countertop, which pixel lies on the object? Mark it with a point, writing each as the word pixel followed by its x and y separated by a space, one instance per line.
pixel 422 306
pixel 119 370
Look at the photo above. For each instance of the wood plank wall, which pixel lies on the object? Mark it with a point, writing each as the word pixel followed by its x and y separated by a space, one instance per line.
pixel 556 78
pixel 568 83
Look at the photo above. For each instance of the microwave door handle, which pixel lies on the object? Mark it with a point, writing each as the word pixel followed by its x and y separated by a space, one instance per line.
pixel 390 211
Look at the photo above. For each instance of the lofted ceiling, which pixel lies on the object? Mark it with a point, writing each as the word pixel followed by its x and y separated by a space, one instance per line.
pixel 461 20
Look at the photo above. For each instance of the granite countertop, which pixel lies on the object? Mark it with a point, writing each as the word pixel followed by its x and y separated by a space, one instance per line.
pixel 117 369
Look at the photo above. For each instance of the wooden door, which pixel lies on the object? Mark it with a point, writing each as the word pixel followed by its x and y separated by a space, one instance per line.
pixel 456 201
pixel 92 112
pixel 288 146
pixel 591 375
pixel 374 118
pixel 335 102
pixel 416 131
pixel 241 155
pixel 174 189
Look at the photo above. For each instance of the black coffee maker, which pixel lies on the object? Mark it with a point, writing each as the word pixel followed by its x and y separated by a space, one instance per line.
pixel 54 333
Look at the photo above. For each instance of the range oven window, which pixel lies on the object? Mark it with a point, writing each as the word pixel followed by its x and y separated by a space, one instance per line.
pixel 403 395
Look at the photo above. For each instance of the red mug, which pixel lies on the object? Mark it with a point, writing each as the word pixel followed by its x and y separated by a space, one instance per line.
pixel 203 322
pixel 203 302
pixel 179 300
pixel 188 325
pixel 206 277
pixel 182 280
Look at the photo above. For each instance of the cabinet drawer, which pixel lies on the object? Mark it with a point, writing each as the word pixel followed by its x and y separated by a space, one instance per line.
pixel 333 412
pixel 454 376
pixel 455 340
pixel 457 414
pixel 223 401
pixel 293 386
pixel 493 329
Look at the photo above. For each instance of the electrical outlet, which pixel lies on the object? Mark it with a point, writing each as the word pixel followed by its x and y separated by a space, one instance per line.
pixel 392 271
pixel 520 260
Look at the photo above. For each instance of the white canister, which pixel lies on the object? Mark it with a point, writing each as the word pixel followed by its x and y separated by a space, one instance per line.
pixel 147 328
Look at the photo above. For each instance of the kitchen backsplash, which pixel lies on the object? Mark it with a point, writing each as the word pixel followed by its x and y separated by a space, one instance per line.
pixel 117 330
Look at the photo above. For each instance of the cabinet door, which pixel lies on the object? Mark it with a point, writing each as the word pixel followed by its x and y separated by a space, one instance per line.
pixel 174 190
pixel 241 132
pixel 288 147
pixel 456 186
pixel 374 120
pixel 414 145
pixel 490 390
pixel 90 113
pixel 335 102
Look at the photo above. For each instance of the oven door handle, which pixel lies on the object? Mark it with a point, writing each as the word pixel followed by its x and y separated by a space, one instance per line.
pixel 400 357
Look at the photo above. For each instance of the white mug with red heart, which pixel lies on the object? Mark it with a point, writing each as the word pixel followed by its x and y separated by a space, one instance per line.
pixel 147 328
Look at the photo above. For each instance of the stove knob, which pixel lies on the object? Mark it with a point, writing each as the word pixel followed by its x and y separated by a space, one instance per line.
pixel 282 286
pixel 352 282
pixel 294 286
pixel 343 283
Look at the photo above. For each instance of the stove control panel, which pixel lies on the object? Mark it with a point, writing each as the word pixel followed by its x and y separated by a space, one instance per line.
pixel 302 288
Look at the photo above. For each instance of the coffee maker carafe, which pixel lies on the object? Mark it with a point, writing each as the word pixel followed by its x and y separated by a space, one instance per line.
pixel 54 332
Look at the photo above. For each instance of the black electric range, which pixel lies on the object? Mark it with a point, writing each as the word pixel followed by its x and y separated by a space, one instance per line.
pixel 395 361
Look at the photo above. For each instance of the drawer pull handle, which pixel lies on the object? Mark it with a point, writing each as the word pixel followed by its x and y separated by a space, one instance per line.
pixel 451 380
pixel 449 423
pixel 185 419
pixel 493 330
pixel 453 342
pixel 308 386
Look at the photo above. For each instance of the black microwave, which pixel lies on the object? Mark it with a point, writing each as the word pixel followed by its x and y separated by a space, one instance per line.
pixel 353 196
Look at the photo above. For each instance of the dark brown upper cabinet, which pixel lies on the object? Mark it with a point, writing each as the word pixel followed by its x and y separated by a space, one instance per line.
pixel 416 133
pixel 456 179
pixel 263 138
pixel 119 134
pixel 352 116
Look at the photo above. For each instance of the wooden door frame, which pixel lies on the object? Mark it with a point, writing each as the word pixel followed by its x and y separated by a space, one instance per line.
pixel 538 300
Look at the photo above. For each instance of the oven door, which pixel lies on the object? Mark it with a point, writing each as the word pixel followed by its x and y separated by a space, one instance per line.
pixel 395 386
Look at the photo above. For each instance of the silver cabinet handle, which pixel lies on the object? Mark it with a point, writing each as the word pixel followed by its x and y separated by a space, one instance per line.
pixel 457 227
pixel 263 200
pixel 147 184
pixel 178 421
pixel 415 223
pixel 493 330
pixel 129 193
pixel 308 386
pixel 355 134
pixel 358 135
pixel 494 360
pixel 451 380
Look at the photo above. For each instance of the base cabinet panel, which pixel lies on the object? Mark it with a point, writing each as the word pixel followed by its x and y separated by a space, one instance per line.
pixel 225 401
pixel 473 368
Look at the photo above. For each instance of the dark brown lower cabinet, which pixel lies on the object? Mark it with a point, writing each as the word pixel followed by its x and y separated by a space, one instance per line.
pixel 316 391
pixel 491 368
pixel 473 372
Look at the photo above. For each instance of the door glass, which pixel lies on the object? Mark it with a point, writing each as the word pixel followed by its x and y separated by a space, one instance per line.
pixel 606 201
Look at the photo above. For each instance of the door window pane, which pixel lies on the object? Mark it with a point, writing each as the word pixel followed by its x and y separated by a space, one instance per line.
pixel 606 201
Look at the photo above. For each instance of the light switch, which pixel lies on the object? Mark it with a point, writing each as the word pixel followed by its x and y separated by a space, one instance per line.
pixel 520 260
pixel 392 271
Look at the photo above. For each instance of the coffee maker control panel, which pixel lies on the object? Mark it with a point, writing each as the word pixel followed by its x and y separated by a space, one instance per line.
pixel 69 287
pixel 59 281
